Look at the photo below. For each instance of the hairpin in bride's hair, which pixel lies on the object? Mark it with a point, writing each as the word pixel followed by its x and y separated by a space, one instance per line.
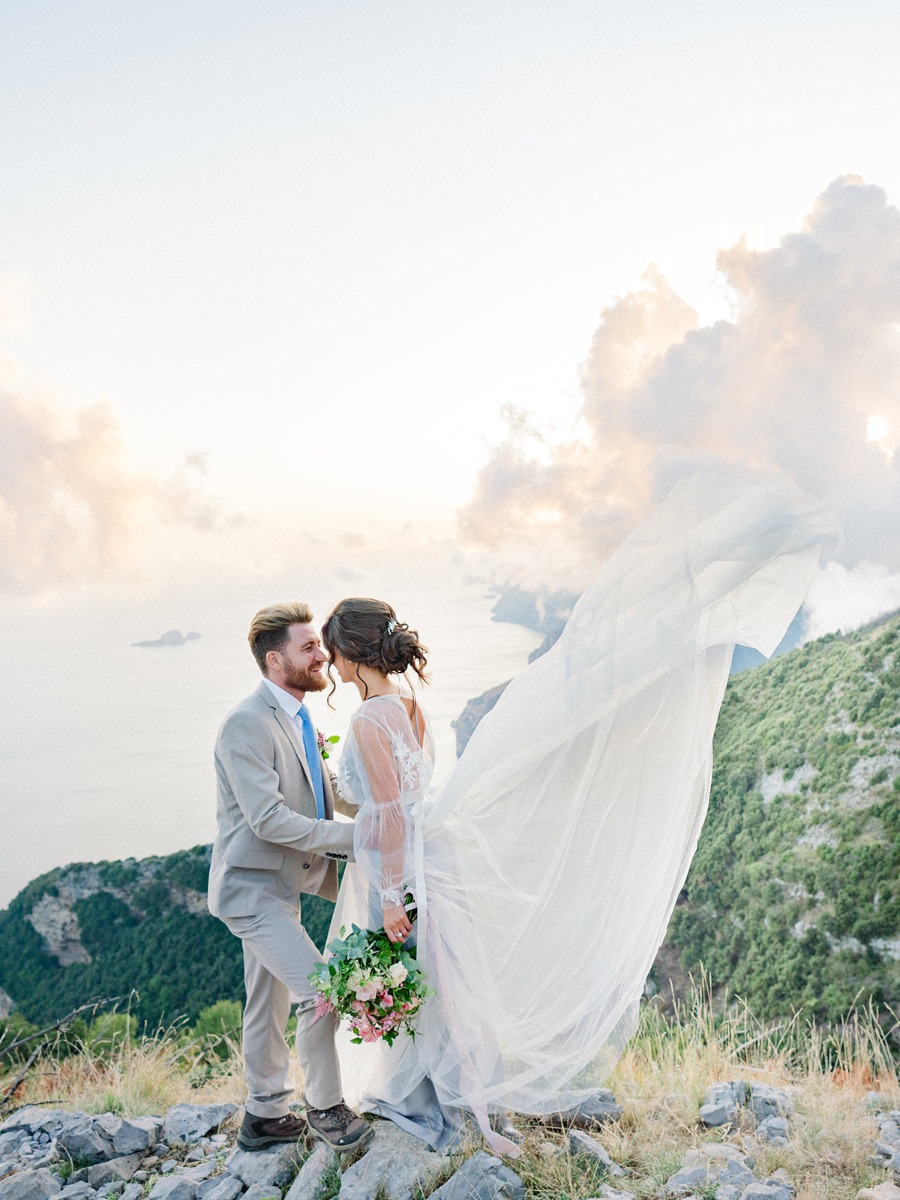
pixel 390 627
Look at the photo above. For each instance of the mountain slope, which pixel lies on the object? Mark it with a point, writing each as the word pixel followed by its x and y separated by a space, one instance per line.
pixel 104 929
pixel 793 897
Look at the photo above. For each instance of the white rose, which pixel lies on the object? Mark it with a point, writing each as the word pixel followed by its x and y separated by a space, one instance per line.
pixel 397 973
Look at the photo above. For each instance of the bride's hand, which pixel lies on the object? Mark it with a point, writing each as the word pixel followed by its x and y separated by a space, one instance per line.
pixel 396 923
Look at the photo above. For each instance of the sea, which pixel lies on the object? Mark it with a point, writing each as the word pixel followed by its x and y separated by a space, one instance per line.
pixel 106 747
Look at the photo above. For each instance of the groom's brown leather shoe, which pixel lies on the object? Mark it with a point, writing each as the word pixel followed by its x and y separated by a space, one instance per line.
pixel 256 1132
pixel 338 1127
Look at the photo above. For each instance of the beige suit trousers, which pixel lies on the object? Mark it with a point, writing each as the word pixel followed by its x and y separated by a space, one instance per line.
pixel 278 957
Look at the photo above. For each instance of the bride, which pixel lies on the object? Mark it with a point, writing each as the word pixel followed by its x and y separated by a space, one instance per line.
pixel 547 866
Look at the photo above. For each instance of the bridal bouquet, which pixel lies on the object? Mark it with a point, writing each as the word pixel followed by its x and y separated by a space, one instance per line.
pixel 373 983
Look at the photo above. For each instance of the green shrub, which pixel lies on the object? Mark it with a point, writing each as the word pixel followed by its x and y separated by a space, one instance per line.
pixel 219 1024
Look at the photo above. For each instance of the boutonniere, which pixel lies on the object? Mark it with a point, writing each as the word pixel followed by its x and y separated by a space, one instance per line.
pixel 325 742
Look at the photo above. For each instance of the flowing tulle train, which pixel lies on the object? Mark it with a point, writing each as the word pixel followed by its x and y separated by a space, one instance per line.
pixel 550 861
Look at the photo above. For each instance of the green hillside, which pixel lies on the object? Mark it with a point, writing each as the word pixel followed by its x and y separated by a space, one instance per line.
pixel 104 929
pixel 794 895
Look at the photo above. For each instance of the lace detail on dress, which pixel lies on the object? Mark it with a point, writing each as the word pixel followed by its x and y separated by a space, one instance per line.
pixel 346 778
pixel 413 764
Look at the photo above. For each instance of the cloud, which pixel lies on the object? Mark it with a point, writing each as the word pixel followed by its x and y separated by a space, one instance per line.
pixel 789 384
pixel 845 598
pixel 69 506
pixel 73 506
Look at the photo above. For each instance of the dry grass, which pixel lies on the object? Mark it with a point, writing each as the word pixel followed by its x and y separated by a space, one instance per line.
pixel 661 1078
pixel 135 1076
pixel 659 1081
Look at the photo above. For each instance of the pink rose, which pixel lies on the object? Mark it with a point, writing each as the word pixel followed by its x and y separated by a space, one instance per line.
pixel 368 991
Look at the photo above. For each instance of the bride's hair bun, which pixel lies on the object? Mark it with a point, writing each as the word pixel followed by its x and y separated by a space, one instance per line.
pixel 367 631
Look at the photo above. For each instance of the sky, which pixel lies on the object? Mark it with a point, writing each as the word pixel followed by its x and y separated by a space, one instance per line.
pixel 368 282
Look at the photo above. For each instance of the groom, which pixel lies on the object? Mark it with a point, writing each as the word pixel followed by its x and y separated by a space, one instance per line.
pixel 276 838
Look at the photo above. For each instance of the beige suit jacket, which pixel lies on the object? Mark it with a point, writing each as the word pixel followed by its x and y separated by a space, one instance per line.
pixel 269 846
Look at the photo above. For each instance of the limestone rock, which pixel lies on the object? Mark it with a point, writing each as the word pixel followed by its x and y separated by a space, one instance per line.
pixel 84 1140
pixel 715 1152
pixel 596 1110
pixel 312 1180
pixel 54 919
pixel 32 1116
pixel 767 1101
pixel 198 1172
pixel 37 1150
pixel 722 1102
pixel 770 1190
pixel 136 1134
pixel 713 1115
pixel 397 1163
pixel 134 1191
pixel 220 1187
pixel 888 1134
pixel 734 1092
pixel 79 1135
pixel 610 1193
pixel 781 1176
pixel 884 1191
pixel 262 1191
pixel 190 1122
pixel 702 1175
pixel 273 1166
pixel 114 1170
pixel 481 1177
pixel 774 1131
pixel 729 1191
pixel 173 1187
pixel 723 1164
pixel 11 1141
pixel 30 1185
pixel 78 1191
pixel 582 1143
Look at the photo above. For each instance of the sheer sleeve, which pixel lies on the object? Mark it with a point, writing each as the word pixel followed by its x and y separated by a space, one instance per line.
pixel 389 756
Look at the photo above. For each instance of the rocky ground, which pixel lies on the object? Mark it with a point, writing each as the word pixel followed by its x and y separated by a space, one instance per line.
pixel 190 1153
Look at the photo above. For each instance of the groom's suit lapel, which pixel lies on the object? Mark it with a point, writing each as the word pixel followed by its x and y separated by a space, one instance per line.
pixel 288 726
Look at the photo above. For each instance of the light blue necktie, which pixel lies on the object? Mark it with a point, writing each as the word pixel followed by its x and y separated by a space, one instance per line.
pixel 311 746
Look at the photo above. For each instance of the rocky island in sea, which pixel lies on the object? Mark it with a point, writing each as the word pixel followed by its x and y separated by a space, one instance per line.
pixel 173 637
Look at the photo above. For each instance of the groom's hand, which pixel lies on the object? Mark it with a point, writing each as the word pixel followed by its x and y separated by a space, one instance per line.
pixel 396 923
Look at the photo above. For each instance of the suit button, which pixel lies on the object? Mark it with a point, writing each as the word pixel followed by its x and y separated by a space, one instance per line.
pixel 306 866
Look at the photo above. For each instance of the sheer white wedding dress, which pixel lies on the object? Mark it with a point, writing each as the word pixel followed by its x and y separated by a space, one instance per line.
pixel 547 866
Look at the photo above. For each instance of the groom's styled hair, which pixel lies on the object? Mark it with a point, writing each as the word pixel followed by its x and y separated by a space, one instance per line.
pixel 269 628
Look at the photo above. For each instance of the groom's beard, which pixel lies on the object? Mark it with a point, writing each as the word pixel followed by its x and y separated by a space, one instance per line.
pixel 302 679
